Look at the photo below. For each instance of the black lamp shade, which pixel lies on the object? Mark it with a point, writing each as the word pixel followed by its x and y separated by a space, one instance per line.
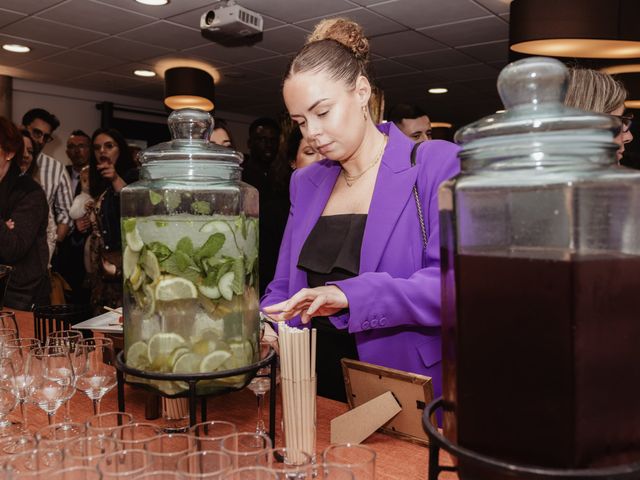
pixel 576 28
pixel 187 87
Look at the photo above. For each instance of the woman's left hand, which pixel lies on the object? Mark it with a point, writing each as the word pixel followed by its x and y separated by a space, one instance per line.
pixel 310 302
pixel 108 171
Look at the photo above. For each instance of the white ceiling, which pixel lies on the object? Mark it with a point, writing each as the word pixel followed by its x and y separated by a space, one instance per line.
pixel 416 44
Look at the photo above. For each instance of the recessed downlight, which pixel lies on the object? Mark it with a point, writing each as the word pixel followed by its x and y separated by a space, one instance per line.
pixel 441 125
pixel 438 90
pixel 153 3
pixel 16 48
pixel 144 73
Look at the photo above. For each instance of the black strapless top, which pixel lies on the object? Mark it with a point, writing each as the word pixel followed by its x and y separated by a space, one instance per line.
pixel 332 250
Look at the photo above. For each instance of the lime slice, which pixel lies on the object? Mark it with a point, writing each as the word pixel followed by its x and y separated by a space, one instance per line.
pixel 175 288
pixel 214 361
pixel 137 277
pixel 206 343
pixel 175 355
pixel 226 285
pixel 209 292
pixel 150 265
pixel 129 261
pixel 242 353
pixel 160 348
pixel 188 363
pixel 134 242
pixel 137 356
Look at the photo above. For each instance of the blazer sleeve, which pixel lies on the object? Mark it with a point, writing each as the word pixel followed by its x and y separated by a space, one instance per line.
pixel 413 301
pixel 29 214
pixel 278 289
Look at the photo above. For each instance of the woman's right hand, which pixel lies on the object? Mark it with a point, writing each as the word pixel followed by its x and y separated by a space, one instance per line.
pixel 83 223
pixel 10 224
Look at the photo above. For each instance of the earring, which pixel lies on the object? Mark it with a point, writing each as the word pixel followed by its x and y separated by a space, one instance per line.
pixel 364 111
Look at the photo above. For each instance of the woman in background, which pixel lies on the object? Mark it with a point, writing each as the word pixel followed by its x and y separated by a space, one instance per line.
pixel 596 91
pixel 111 168
pixel 221 135
pixel 24 215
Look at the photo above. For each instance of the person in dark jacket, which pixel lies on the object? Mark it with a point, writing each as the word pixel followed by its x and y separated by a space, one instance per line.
pixel 24 215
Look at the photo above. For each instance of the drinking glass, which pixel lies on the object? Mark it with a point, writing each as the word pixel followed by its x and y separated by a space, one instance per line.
pixel 123 463
pixel 251 473
pixel 59 434
pixel 160 475
pixel 8 320
pixel 136 435
pixel 166 449
pixel 34 463
pixel 16 443
pixel 209 435
pixel 105 424
pixel 87 451
pixel 7 334
pixel 334 472
pixel 75 473
pixel 51 378
pixel 17 350
pixel 68 338
pixel 361 460
pixel 8 396
pixel 204 465
pixel 290 464
pixel 95 371
pixel 260 385
pixel 247 449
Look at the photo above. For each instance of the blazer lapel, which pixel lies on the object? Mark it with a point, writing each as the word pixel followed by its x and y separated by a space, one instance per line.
pixel 392 191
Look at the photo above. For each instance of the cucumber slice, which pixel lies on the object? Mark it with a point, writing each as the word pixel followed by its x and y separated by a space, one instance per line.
pixel 150 265
pixel 133 240
pixel 216 226
pixel 129 262
pixel 209 292
pixel 226 285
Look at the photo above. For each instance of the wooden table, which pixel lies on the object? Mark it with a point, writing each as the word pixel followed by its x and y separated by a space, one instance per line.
pixel 396 459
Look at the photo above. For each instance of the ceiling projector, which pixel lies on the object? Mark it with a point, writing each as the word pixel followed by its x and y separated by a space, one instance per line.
pixel 231 20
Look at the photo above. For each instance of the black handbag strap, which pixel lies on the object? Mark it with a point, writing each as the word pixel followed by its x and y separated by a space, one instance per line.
pixel 423 228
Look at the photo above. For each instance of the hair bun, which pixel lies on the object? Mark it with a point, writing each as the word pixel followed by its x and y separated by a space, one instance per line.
pixel 344 31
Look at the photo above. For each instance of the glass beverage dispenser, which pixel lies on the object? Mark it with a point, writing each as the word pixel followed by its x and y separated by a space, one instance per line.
pixel 540 239
pixel 190 260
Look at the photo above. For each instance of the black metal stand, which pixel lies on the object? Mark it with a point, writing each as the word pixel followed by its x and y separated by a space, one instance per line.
pixel 192 380
pixel 503 469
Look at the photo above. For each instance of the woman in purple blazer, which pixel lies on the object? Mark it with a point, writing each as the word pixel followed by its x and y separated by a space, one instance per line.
pixel 352 252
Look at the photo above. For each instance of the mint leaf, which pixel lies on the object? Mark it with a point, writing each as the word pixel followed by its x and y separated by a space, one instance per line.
pixel 172 200
pixel 182 260
pixel 161 223
pixel 160 250
pixel 129 224
pixel 185 245
pixel 154 197
pixel 201 207
pixel 210 279
pixel 170 266
pixel 223 268
pixel 238 276
pixel 212 246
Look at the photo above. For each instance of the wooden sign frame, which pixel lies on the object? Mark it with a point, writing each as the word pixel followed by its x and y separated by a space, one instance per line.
pixel 365 381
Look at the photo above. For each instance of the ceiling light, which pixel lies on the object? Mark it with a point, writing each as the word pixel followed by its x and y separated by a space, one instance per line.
pixel 154 3
pixel 144 73
pixel 606 29
pixel 438 90
pixel 441 125
pixel 16 48
pixel 186 87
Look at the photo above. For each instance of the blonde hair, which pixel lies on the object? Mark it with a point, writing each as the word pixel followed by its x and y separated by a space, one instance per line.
pixel 338 47
pixel 594 91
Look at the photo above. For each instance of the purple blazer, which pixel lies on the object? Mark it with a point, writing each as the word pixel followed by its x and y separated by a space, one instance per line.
pixel 394 303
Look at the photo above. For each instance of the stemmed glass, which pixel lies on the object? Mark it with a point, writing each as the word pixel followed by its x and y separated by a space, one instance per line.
pixel 69 339
pixel 17 350
pixel 260 385
pixel 8 320
pixel 6 334
pixel 51 378
pixel 95 371
pixel 8 395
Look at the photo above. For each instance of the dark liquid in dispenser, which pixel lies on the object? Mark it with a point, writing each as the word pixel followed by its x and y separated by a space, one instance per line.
pixel 548 358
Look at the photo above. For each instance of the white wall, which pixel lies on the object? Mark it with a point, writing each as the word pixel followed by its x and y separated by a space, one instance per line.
pixel 76 109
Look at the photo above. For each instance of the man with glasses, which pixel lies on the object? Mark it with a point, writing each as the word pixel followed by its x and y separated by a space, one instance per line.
pixel 53 176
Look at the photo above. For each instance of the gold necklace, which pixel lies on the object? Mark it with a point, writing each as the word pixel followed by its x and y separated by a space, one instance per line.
pixel 351 179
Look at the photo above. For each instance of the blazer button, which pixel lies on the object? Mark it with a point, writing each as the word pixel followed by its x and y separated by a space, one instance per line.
pixel 365 325
pixel 383 321
pixel 374 323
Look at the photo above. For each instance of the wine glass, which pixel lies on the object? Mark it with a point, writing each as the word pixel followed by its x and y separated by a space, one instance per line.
pixel 95 372
pixel 51 378
pixel 6 334
pixel 68 338
pixel 17 350
pixel 8 395
pixel 260 385
pixel 8 320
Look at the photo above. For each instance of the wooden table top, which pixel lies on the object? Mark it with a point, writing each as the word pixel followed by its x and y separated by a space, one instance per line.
pixel 396 459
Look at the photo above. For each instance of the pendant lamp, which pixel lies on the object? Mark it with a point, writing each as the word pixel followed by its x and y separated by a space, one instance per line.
pixel 188 87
